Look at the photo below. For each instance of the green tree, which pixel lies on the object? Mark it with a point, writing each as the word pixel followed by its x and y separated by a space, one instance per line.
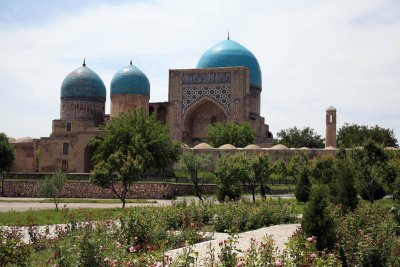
pixel 352 135
pixel 236 134
pixel 7 155
pixel 194 163
pixel 117 173
pixel 261 172
pixel 322 170
pixel 231 171
pixel 303 187
pixel 317 220
pixel 131 144
pixel 52 186
pixel 370 163
pixel 297 138
pixel 346 192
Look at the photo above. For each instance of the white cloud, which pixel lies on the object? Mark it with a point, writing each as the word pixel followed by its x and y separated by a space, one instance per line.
pixel 312 55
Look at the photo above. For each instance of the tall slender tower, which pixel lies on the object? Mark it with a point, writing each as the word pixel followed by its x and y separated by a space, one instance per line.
pixel 330 135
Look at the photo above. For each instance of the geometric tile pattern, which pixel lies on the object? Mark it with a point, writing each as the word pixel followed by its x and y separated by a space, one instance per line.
pixel 221 94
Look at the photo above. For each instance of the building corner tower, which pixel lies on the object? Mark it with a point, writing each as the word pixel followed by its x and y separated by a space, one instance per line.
pixel 330 135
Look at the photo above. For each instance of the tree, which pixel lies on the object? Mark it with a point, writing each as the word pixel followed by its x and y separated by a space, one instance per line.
pixel 370 163
pixel 303 187
pixel 131 144
pixel 352 135
pixel 7 155
pixel 346 192
pixel 322 170
pixel 317 220
pixel 261 172
pixel 236 134
pixel 193 163
pixel 52 186
pixel 230 172
pixel 297 138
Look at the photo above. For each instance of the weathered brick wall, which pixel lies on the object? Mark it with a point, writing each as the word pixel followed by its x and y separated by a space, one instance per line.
pixel 84 189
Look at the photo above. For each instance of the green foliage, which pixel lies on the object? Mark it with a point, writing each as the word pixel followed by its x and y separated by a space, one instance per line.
pixel 346 192
pixel 317 220
pixel 370 163
pixel 137 134
pixel 231 171
pixel 366 237
pixel 352 135
pixel 194 163
pixel 322 170
pixel 52 186
pixel 261 172
pixel 236 134
pixel 131 144
pixel 118 169
pixel 297 138
pixel 13 251
pixel 303 187
pixel 7 154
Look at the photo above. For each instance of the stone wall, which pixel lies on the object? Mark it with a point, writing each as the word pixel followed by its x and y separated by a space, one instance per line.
pixel 85 189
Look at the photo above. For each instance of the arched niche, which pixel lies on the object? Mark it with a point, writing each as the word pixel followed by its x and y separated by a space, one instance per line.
pixel 199 117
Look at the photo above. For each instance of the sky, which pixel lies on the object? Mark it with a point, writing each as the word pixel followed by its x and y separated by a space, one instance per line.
pixel 312 54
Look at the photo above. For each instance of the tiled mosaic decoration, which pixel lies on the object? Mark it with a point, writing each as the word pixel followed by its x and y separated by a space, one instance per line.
pixel 221 94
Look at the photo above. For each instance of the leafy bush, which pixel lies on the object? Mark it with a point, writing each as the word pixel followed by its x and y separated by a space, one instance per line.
pixel 366 237
pixel 13 251
pixel 375 189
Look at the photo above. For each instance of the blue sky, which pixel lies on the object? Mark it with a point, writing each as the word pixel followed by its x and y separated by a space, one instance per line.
pixel 312 54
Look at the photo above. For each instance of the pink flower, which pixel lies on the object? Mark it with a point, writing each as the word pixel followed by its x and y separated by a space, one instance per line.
pixel 106 260
pixel 118 245
pixel 114 263
pixel 240 264
pixel 158 264
pixel 129 264
pixel 107 222
pixel 132 249
pixel 313 256
pixel 278 263
pixel 312 239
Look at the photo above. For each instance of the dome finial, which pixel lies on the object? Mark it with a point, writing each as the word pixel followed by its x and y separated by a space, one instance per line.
pixel 130 62
pixel 228 35
pixel 84 62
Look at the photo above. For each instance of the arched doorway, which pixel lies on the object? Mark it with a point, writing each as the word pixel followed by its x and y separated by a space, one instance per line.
pixel 88 166
pixel 199 117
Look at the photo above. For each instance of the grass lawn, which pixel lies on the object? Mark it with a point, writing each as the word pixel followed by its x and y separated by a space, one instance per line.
pixel 50 216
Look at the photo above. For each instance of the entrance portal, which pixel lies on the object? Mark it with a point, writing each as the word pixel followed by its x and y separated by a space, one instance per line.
pixel 199 117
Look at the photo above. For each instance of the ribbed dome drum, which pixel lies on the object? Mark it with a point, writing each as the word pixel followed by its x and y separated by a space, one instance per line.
pixel 83 96
pixel 130 89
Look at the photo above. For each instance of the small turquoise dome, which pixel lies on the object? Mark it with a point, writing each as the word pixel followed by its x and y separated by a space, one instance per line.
pixel 83 83
pixel 229 53
pixel 130 80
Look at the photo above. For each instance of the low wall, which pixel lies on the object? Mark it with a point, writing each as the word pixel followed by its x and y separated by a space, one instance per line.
pixel 85 189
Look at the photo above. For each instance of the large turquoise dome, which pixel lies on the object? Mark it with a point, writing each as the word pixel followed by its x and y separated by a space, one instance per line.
pixel 229 53
pixel 83 83
pixel 130 80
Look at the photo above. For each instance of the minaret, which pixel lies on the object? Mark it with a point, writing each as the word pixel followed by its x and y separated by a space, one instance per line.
pixel 330 136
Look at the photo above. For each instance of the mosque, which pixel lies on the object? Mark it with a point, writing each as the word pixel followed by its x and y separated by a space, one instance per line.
pixel 225 85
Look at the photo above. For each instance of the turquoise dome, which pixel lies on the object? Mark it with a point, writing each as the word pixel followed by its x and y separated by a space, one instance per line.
pixel 130 80
pixel 229 53
pixel 83 83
